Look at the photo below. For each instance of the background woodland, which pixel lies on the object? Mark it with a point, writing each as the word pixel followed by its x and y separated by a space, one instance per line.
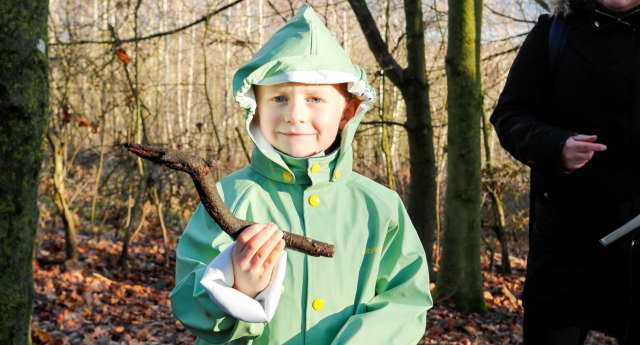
pixel 159 72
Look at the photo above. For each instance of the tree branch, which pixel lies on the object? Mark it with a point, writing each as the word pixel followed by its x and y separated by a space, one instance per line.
pixel 509 17
pixel 391 123
pixel 502 53
pixel 377 45
pixel 159 34
pixel 201 171
pixel 273 7
pixel 543 5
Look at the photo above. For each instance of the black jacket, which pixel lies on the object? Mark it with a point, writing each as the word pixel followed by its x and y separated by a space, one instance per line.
pixel 571 278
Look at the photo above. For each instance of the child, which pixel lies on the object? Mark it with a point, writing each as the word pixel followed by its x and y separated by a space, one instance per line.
pixel 300 90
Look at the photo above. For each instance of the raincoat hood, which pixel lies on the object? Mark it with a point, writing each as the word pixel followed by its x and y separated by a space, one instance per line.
pixel 302 51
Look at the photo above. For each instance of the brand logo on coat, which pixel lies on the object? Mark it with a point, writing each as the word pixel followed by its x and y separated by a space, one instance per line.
pixel 372 250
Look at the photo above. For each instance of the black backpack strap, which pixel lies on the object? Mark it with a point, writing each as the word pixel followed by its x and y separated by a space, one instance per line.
pixel 557 39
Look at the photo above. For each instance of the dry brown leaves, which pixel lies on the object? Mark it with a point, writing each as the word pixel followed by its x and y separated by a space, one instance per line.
pixel 100 304
pixel 502 324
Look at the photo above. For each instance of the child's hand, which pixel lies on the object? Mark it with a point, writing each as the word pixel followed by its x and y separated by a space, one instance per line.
pixel 256 252
pixel 579 149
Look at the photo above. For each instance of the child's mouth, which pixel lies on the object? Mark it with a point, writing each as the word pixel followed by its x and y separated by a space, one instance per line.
pixel 296 135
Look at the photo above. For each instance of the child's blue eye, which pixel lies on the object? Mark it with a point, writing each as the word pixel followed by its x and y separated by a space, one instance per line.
pixel 280 99
pixel 315 100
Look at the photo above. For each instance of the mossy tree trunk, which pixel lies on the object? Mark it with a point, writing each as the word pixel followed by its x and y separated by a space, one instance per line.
pixel 23 124
pixel 460 274
pixel 413 84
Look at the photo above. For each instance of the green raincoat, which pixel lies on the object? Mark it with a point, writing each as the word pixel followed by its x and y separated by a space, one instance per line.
pixel 376 288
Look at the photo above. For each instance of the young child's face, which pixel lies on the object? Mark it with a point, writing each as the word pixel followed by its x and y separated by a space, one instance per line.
pixel 303 119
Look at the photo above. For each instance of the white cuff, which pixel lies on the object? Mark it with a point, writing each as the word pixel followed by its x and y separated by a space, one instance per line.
pixel 218 281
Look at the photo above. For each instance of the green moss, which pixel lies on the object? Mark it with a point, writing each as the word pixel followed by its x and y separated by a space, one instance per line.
pixel 23 122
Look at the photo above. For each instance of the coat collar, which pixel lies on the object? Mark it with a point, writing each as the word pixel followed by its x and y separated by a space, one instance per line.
pixel 602 19
pixel 315 170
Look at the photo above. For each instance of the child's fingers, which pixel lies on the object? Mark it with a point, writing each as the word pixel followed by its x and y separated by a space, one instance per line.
pixel 273 257
pixel 246 236
pixel 257 242
pixel 264 251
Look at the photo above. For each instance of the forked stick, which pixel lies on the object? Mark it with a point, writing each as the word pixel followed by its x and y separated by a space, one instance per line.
pixel 201 171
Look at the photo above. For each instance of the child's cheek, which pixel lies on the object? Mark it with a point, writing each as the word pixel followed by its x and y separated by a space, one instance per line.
pixel 327 125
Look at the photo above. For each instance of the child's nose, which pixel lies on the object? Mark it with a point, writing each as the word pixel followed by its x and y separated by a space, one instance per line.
pixel 296 112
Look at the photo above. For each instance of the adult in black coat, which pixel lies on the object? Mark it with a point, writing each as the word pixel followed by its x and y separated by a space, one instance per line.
pixel 578 128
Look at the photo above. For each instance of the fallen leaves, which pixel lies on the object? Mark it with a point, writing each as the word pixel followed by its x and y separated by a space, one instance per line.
pixel 502 324
pixel 99 304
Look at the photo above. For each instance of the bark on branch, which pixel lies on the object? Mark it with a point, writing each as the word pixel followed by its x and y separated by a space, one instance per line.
pixel 377 45
pixel 156 35
pixel 201 171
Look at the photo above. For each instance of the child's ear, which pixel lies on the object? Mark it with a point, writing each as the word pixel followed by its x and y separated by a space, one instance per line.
pixel 256 116
pixel 349 111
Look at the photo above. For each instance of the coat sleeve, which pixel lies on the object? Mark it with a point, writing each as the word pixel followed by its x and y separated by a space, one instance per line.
pixel 521 117
pixel 200 243
pixel 399 307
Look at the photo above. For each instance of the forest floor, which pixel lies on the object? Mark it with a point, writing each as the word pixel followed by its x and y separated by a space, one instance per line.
pixel 99 304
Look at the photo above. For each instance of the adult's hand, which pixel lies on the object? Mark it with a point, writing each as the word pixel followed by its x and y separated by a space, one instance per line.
pixel 578 150
pixel 256 252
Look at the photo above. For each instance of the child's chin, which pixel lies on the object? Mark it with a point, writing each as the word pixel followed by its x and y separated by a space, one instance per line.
pixel 299 153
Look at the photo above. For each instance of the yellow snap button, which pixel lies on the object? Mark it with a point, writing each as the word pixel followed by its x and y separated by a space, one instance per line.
pixel 318 304
pixel 337 174
pixel 315 168
pixel 287 176
pixel 314 200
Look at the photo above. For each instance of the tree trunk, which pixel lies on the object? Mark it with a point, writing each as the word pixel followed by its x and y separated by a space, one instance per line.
pixel 99 172
pixel 60 199
pixel 190 87
pixel 158 203
pixel 498 210
pixel 414 87
pixel 499 227
pixel 169 124
pixel 137 216
pixel 24 98
pixel 179 78
pixel 415 90
pixel 136 213
pixel 386 150
pixel 460 274
pixel 206 85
